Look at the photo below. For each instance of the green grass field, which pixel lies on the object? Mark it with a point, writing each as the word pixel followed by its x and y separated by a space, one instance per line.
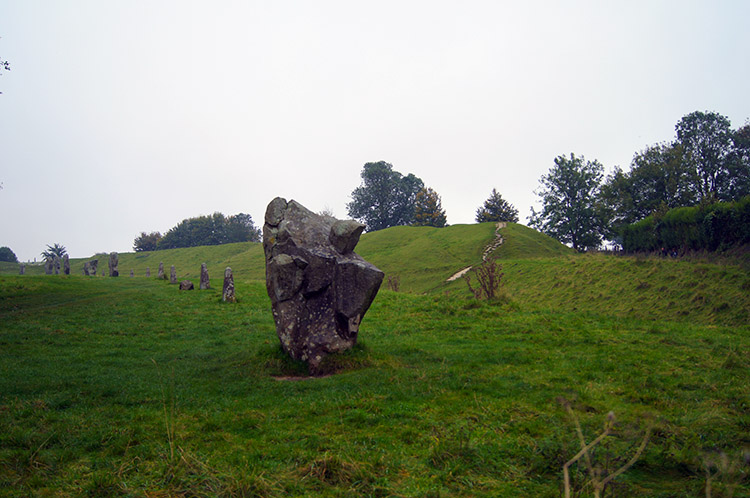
pixel 128 387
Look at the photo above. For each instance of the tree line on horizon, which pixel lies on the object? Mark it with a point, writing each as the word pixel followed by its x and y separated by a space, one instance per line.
pixel 209 230
pixel 707 163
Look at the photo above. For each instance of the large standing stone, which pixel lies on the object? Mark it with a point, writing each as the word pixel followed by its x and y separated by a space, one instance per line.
pixel 319 288
pixel 113 261
pixel 172 275
pixel 227 293
pixel 66 265
pixel 205 283
pixel 160 274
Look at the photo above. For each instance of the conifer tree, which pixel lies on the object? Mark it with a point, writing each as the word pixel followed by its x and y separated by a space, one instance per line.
pixel 427 209
pixel 496 208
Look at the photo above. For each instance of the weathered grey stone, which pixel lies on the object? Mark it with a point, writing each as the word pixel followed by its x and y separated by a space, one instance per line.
pixel 132 274
pixel 160 274
pixel 205 282
pixel 186 285
pixel 227 293
pixel 66 265
pixel 319 288
pixel 22 269
pixel 86 268
pixel 93 266
pixel 148 272
pixel 57 263
pixel 172 275
pixel 49 265
pixel 113 262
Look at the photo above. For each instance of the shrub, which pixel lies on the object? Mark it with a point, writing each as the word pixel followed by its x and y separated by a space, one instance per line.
pixel 7 255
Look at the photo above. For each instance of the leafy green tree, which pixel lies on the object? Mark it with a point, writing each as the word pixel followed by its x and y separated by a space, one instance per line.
pixel 739 164
pixel 385 198
pixel 210 230
pixel 706 141
pixel 496 208
pixel 428 210
pixel 570 212
pixel 146 241
pixel 657 181
pixel 6 254
pixel 54 250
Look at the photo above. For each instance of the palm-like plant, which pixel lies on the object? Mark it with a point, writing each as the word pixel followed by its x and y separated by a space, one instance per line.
pixel 54 250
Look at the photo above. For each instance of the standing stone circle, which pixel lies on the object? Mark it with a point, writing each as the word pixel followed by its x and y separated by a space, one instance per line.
pixel 319 288
pixel 66 265
pixel 227 293
pixel 205 282
pixel 160 274
pixel 113 261
pixel 172 275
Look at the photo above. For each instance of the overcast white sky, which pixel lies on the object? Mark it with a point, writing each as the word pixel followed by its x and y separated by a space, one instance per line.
pixel 122 117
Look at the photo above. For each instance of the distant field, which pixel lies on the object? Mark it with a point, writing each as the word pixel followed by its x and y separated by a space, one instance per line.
pixel 128 387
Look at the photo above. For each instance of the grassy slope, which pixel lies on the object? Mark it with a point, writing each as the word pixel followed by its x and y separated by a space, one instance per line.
pixel 113 387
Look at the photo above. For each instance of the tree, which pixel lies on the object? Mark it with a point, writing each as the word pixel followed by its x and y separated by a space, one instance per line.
pixel 54 250
pixel 657 181
pixel 706 140
pixel 385 198
pixel 146 241
pixel 570 212
pixel 210 230
pixel 739 164
pixel 428 210
pixel 496 208
pixel 7 255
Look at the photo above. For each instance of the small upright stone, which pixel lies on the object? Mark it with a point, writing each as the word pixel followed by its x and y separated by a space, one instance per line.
pixel 227 294
pixel 93 265
pixel 49 265
pixel 172 275
pixel 66 265
pixel 86 268
pixel 160 274
pixel 57 264
pixel 205 283
pixel 132 274
pixel 113 261
pixel 148 272
pixel 22 269
pixel 186 285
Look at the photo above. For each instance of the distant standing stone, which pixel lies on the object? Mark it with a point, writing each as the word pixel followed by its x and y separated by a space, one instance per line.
pixel 205 283
pixel 86 268
pixel 57 265
pixel 66 265
pixel 22 269
pixel 148 272
pixel 186 285
pixel 93 266
pixel 132 274
pixel 160 274
pixel 49 265
pixel 228 292
pixel 172 275
pixel 113 261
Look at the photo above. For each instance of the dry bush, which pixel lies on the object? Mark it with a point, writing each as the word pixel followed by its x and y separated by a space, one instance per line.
pixel 489 278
